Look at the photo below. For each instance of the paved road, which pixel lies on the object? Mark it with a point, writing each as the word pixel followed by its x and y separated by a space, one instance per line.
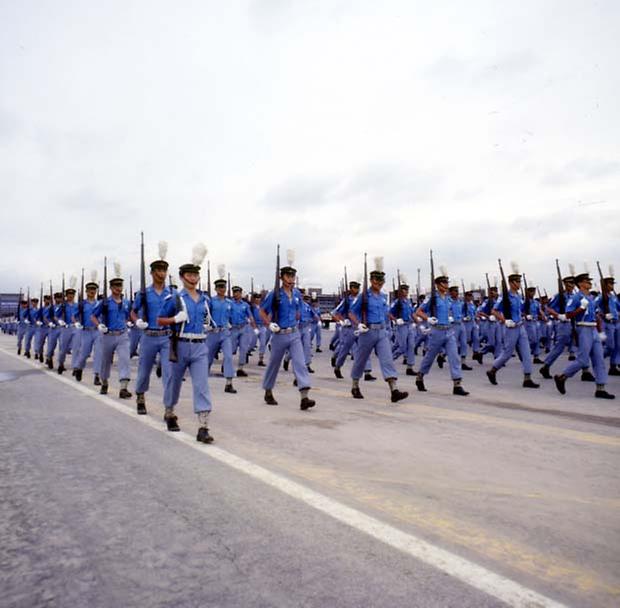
pixel 104 510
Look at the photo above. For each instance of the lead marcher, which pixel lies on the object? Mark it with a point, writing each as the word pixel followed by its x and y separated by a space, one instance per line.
pixel 187 311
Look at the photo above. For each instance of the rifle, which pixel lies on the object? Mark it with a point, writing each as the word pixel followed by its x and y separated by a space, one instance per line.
pixel 345 295
pixel 63 306
pixel 399 303
pixel 505 293
pixel 252 286
pixel 604 294
pixel 275 302
pixel 209 278
pixel 130 292
pixel 104 301
pixel 28 306
pixel 561 293
pixel 41 302
pixel 52 311
pixel 143 302
pixel 463 287
pixel 228 294
pixel 19 304
pixel 365 293
pixel 433 306
pixel 528 302
pixel 417 289
pixel 81 301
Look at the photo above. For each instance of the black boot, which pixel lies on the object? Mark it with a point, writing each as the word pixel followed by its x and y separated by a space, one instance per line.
pixel 477 357
pixel 261 363
pixel 357 394
pixel 241 373
pixel 491 375
pixel 203 435
pixel 61 368
pixel 158 371
pixel 603 394
pixel 310 370
pixel 104 388
pixel 269 398
pixel 124 394
pixel 285 365
pixel 230 389
pixel 333 361
pixel 529 383
pixel 50 363
pixel 440 361
pixel 459 390
pixel 544 372
pixel 614 371
pixel 466 367
pixel 318 350
pixel 420 384
pixel 571 357
pixel 172 423
pixel 141 404
pixel 537 361
pixel 338 373
pixel 560 383
pixel 306 403
pixel 97 381
pixel 586 376
pixel 397 395
pixel 27 355
pixel 369 377
pixel 78 374
pixel 410 372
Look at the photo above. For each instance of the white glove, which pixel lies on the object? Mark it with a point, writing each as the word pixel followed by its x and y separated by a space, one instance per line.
pixel 77 325
pixel 561 317
pixel 62 323
pixel 432 320
pixel 602 336
pixel 549 323
pixel 528 317
pixel 347 322
pixel 466 318
pixel 400 321
pixel 141 324
pixel 39 323
pixel 492 318
pixel 361 328
pixel 274 327
pixel 450 319
pixel 609 317
pixel 417 319
pixel 50 324
pixel 425 330
pixel 26 322
pixel 180 317
pixel 584 303
pixel 256 331
pixel 510 323
pixel 102 328
pixel 129 324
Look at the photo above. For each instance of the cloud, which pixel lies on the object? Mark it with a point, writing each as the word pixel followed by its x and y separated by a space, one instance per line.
pixel 583 169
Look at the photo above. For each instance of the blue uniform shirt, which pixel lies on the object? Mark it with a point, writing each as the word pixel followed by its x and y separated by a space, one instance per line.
pixel 555 302
pixel 588 315
pixel 402 309
pixel 344 306
pixel 516 306
pixel 196 311
pixel 221 311
pixel 256 315
pixel 240 313
pixel 89 309
pixel 289 309
pixel 154 303
pixel 377 311
pixel 457 309
pixel 443 308
pixel 613 305
pixel 307 314
pixel 118 314
pixel 70 310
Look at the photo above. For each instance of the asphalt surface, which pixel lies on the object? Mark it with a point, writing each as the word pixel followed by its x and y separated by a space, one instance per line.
pixel 98 509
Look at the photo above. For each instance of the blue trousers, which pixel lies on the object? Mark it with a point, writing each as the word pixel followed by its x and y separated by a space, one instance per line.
pixel 379 341
pixel 280 343
pixel 460 337
pixel 39 338
pixel 317 333
pixel 239 339
pixel 217 341
pixel 515 337
pixel 405 337
pixel 590 349
pixel 135 340
pixel 150 346
pixel 305 331
pixel 91 339
pixel 335 339
pixel 21 334
pixel 563 335
pixel 533 335
pixel 30 332
pixel 110 345
pixel 472 334
pixel 345 344
pixel 69 341
pixel 438 340
pixel 193 356
pixel 53 335
pixel 615 355
pixel 263 339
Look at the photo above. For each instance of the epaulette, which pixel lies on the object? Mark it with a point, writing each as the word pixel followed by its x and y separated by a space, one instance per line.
pixel 168 297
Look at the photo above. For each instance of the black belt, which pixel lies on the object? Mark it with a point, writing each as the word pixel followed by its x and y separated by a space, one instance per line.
pixel 194 340
pixel 157 332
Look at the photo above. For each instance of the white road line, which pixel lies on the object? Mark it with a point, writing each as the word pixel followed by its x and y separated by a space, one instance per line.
pixel 500 587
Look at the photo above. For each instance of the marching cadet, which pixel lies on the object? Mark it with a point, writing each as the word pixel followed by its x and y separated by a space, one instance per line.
pixel 582 309
pixel 22 313
pixel 563 328
pixel 50 316
pixel 369 313
pixel 281 311
pixel 533 316
pixel 219 334
pixel 346 339
pixel 263 332
pixel 306 320
pixel 459 310
pixel 111 315
pixel 155 339
pixel 316 322
pixel 515 334
pixel 31 324
pixel 438 312
pixel 491 330
pixel 70 327
pixel 187 311
pixel 240 316
pixel 470 327
pixel 607 307
pixel 90 341
pixel 42 330
pixel 401 312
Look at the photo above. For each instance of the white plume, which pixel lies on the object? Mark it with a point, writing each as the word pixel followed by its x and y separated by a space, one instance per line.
pixel 611 270
pixel 443 271
pixel 221 271
pixel 72 281
pixel 472 287
pixel 93 276
pixel 379 263
pixel 117 270
pixel 403 279
pixel 313 295
pixel 162 247
pixel 586 268
pixel 571 269
pixel 290 256
pixel 199 252
pixel 515 267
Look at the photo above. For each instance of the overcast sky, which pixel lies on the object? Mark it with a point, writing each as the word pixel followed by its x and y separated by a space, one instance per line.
pixel 480 129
